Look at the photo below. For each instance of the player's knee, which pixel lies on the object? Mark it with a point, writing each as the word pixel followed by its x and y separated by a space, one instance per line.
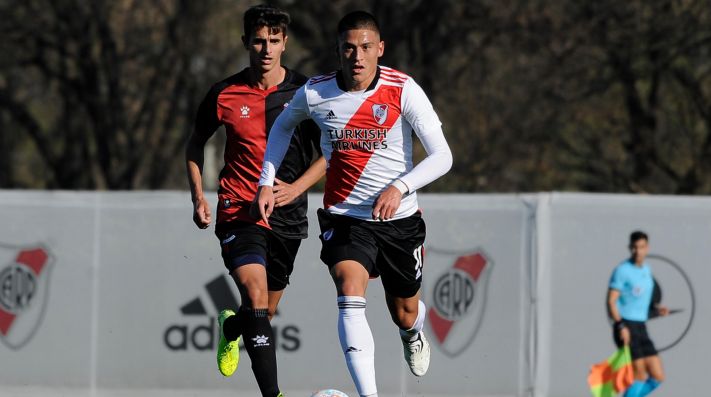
pixel 660 377
pixel 403 321
pixel 256 295
pixel 403 318
pixel 350 288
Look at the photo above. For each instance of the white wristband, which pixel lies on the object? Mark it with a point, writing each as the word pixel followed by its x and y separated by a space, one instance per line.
pixel 401 186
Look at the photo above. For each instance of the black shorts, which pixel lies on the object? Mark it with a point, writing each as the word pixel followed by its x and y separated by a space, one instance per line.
pixel 640 344
pixel 392 250
pixel 244 243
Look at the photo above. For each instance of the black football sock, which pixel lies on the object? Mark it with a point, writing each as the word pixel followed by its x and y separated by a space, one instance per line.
pixel 259 342
pixel 232 326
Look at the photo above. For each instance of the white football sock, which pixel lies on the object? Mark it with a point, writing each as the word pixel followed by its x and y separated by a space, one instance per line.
pixel 357 343
pixel 411 334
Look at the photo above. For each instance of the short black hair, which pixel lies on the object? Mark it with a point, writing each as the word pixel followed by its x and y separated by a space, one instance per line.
pixel 638 235
pixel 263 15
pixel 358 20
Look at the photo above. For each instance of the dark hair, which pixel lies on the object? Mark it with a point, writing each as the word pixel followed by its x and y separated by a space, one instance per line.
pixel 638 235
pixel 265 15
pixel 358 20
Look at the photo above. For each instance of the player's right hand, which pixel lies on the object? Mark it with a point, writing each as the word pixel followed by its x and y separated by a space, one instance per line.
pixel 265 202
pixel 201 213
pixel 625 336
pixel 387 203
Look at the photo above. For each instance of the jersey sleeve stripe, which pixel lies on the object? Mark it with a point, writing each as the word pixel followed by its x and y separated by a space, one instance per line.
pixel 393 77
pixel 396 81
pixel 323 77
pixel 392 73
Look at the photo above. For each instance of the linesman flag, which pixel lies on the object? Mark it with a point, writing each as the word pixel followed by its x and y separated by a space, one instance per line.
pixel 612 376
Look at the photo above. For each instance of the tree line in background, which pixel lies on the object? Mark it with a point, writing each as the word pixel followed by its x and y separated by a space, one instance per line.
pixel 533 95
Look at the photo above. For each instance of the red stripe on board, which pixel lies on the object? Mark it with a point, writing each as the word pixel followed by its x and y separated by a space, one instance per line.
pixel 472 264
pixel 440 326
pixel 35 259
pixel 6 320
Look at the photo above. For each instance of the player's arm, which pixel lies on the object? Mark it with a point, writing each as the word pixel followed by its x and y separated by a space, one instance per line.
pixel 194 159
pixel 617 282
pixel 418 111
pixel 205 124
pixel 656 307
pixel 278 143
pixel 612 296
pixel 284 193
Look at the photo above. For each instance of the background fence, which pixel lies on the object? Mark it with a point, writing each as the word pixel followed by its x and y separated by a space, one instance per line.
pixel 111 293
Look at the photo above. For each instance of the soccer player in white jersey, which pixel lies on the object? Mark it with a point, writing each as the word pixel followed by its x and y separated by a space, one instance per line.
pixel 370 225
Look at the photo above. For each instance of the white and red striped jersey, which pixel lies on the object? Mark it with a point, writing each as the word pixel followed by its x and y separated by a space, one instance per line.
pixel 366 139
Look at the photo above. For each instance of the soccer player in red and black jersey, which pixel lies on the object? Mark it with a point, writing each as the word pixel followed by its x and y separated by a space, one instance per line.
pixel 258 255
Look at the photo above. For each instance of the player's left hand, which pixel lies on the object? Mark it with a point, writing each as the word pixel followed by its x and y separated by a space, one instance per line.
pixel 387 204
pixel 663 310
pixel 284 193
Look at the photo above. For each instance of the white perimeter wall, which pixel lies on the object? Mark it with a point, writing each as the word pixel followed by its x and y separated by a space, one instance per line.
pixel 130 289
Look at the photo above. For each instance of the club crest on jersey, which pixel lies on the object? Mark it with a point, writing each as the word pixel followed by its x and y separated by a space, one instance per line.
pixel 380 113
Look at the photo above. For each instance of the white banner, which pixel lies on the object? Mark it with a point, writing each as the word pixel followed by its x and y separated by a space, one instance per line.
pixel 120 291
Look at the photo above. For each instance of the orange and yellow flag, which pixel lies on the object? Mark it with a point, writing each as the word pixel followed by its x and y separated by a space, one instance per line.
pixel 612 376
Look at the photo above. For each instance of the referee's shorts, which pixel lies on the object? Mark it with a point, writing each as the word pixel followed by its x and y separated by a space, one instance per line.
pixel 640 344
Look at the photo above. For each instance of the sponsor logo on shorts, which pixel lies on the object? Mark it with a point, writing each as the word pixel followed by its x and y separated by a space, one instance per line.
pixel 228 239
pixel 458 298
pixel 24 292
pixel 328 234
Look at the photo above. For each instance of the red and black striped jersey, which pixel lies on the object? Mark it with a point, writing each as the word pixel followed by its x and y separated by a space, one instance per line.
pixel 247 113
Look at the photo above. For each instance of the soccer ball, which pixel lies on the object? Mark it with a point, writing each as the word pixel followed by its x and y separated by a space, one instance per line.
pixel 329 393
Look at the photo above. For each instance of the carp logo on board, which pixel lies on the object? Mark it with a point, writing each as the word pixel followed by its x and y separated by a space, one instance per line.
pixel 458 298
pixel 24 291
